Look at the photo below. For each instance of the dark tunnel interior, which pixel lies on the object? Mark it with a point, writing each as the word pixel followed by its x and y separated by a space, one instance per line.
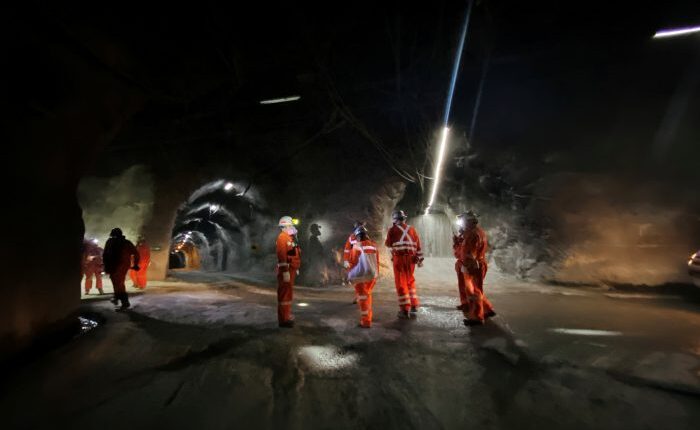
pixel 573 132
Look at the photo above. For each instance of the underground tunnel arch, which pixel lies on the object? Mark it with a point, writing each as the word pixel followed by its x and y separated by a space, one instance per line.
pixel 219 227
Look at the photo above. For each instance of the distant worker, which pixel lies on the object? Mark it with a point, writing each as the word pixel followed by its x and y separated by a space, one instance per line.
pixel 363 270
pixel 315 258
pixel 119 256
pixel 406 252
pixel 470 247
pixel 288 263
pixel 352 240
pixel 139 277
pixel 92 265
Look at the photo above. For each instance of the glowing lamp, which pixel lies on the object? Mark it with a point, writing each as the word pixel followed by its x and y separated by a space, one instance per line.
pixel 676 32
pixel 438 167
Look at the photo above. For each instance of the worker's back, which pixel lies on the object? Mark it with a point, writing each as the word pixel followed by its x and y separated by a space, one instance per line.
pixel 118 253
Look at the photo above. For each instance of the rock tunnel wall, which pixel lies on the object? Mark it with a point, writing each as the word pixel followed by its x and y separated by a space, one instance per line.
pixel 576 226
pixel 124 201
pixel 65 106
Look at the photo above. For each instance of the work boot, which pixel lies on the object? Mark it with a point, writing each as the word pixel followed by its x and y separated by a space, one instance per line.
pixel 490 314
pixel 414 312
pixel 403 315
pixel 470 323
pixel 363 326
pixel 462 307
pixel 114 300
pixel 125 301
pixel 287 324
pixel 101 291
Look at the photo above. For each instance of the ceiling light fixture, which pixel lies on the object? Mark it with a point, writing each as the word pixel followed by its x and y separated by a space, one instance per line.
pixel 280 100
pixel 676 32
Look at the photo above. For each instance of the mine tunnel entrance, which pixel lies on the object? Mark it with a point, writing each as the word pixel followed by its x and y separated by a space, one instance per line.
pixel 219 228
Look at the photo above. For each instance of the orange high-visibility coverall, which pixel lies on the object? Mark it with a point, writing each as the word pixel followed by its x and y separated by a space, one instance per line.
pixel 288 261
pixel 364 289
pixel 139 277
pixel 92 265
pixel 404 243
pixel 470 250
pixel 352 240
pixel 348 247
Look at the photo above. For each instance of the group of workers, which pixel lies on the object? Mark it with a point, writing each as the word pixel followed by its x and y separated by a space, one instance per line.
pixel 361 261
pixel 119 258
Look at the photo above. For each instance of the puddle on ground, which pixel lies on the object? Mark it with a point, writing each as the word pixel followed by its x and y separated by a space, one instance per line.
pixel 87 324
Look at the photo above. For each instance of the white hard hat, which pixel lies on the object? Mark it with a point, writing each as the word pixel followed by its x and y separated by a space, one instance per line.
pixel 286 221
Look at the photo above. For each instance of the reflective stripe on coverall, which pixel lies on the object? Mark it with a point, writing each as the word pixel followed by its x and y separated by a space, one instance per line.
pixel 470 250
pixel 352 240
pixel 288 260
pixel 364 289
pixel 405 247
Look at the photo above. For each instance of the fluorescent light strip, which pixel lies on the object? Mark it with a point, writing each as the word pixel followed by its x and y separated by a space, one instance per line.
pixel 280 100
pixel 438 167
pixel 677 32
pixel 585 332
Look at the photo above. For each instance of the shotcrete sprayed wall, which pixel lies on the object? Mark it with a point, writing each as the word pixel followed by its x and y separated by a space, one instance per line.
pixel 436 234
pixel 223 219
pixel 124 201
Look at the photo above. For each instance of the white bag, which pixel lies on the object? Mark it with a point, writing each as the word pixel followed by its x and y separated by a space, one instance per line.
pixel 365 270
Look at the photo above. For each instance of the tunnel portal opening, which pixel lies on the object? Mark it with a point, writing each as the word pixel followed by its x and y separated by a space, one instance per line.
pixel 219 227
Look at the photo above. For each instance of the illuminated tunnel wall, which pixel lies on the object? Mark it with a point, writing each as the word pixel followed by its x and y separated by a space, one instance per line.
pixel 225 221
pixel 124 200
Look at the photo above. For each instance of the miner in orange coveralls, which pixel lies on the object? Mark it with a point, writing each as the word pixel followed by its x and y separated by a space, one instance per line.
pixel 365 249
pixel 352 240
pixel 119 256
pixel 92 265
pixel 406 252
pixel 470 247
pixel 288 263
pixel 139 277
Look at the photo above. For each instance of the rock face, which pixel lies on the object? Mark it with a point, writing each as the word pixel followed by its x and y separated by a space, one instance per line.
pixel 124 201
pixel 61 118
pixel 587 228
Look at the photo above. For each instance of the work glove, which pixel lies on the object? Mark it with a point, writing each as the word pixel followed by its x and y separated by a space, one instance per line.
pixel 286 277
pixel 346 264
pixel 136 267
pixel 420 263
